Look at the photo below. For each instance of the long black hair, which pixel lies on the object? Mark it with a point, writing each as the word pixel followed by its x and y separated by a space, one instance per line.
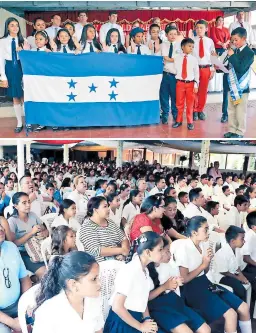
pixel 83 39
pixel 194 224
pixel 73 265
pixel 249 190
pixel 120 47
pixel 45 35
pixel 71 44
pixel 6 31
pixel 133 194
pixel 94 203
pixel 151 202
pixel 15 201
pixel 58 237
pixel 65 205
pixel 34 23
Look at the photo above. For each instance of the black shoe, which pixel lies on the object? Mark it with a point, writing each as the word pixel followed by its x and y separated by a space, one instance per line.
pixel 191 127
pixel 55 129
pixel 67 129
pixel 237 136
pixel 39 128
pixel 164 120
pixel 195 115
pixel 18 129
pixel 229 135
pixel 201 115
pixel 176 125
pixel 224 119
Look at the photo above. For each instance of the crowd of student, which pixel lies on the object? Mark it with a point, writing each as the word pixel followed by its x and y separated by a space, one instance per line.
pixel 187 61
pixel 134 215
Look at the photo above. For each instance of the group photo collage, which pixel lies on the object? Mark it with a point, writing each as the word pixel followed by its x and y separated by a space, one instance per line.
pixel 128 166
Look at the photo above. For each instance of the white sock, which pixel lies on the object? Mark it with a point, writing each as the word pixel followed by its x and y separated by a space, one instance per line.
pixel 232 332
pixel 18 113
pixel 245 326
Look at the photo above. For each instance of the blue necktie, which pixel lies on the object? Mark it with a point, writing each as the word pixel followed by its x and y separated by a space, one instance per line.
pixel 14 53
pixel 64 49
pixel 91 47
pixel 115 49
pixel 170 50
pixel 138 51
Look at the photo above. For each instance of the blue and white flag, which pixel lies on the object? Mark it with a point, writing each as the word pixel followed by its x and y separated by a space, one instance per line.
pixel 103 89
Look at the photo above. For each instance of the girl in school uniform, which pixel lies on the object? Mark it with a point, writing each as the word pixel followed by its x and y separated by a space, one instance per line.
pixel 88 41
pixel 165 305
pixel 68 299
pixel 67 213
pixel 136 24
pixel 38 25
pixel 137 46
pixel 124 194
pixel 114 205
pixel 132 206
pixel 113 42
pixel 193 259
pixel 10 67
pixel 154 43
pixel 65 43
pixel 129 311
pixel 42 42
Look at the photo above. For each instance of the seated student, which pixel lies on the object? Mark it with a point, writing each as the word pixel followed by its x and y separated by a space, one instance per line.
pixel 250 194
pixel 165 305
pixel 107 240
pixel 212 207
pixel 173 220
pixel 181 184
pixel 4 199
pixel 65 43
pixel 160 185
pixel 129 302
pixel 193 259
pixel 100 186
pixel 14 281
pixel 137 46
pixel 9 187
pixel 124 194
pixel 154 43
pixel 197 200
pixel 111 188
pixel 249 248
pixel 233 216
pixel 228 262
pixel 72 285
pixel 192 184
pixel 170 192
pixel 187 77
pixel 239 63
pixel 169 50
pixel 217 189
pixel 24 224
pixel 131 207
pixel 89 41
pixel 113 42
pixel 226 199
pixel 67 215
pixel 114 205
pixel 183 201
pixel 63 241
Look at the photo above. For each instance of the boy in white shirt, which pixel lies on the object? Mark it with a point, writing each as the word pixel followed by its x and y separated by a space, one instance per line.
pixel 249 248
pixel 137 46
pixel 217 190
pixel 187 76
pixel 233 216
pixel 183 201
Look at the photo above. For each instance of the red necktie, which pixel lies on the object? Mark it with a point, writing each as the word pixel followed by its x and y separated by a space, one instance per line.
pixel 201 48
pixel 184 68
pixel 242 25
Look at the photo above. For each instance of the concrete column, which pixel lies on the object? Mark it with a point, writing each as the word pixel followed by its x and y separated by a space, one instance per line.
pixel 119 157
pixel 28 154
pixel 20 158
pixel 65 153
pixel 205 155
pixel 1 152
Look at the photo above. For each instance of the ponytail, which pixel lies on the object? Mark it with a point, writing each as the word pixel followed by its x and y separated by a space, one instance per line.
pixel 132 251
pixel 133 194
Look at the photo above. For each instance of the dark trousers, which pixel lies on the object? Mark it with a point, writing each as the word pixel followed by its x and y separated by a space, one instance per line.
pixel 237 286
pixel 167 90
pixel 254 50
pixel 224 88
pixel 250 273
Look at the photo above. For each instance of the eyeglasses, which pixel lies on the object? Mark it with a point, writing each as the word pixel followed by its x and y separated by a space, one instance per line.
pixel 6 278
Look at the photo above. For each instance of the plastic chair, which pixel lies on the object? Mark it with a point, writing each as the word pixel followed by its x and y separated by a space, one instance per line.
pixel 46 249
pixel 26 301
pixel 108 272
pixel 48 219
pixel 8 211
pixel 79 244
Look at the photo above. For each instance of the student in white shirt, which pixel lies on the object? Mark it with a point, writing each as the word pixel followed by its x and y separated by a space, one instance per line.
pixel 217 234
pixel 154 43
pixel 233 215
pixel 226 199
pixel 240 23
pixel 113 42
pixel 194 208
pixel 109 25
pixel 83 18
pixel 69 296
pixel 65 43
pixel 160 186
pixel 228 182
pixel 192 184
pixel 183 201
pixel 193 258
pixel 162 33
pixel 79 197
pixel 67 215
pixel 88 41
pixel 38 25
pixel 114 205
pixel 250 194
pixel 131 207
pixel 137 46
pixel 124 194
pixel 55 27
pixel 235 182
pixel 181 184
pixel 63 241
pixel 129 311
pixel 217 189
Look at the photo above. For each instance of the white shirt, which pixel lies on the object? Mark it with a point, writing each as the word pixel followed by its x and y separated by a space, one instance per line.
pixel 249 248
pixel 165 47
pixel 162 35
pixel 230 186
pixel 111 48
pixel 6 54
pixel 225 260
pixel 158 53
pixel 192 68
pixel 106 27
pixel 227 201
pixel 67 49
pixel 78 30
pixel 181 207
pixel 208 48
pixel 41 49
pixel 72 223
pixel 233 217
pixel 130 211
pixel 155 190
pixel 253 203
pixel 132 282
pixel 217 190
pixel 87 47
pixel 115 217
pixel 52 31
pixel 192 210
pixel 80 201
pixel 235 185
pixel 143 49
pixel 247 27
pixel 207 191
pixel 56 315
pixel 31 41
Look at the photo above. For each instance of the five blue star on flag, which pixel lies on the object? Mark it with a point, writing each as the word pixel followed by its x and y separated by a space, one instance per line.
pixel 71 97
pixel 72 84
pixel 92 88
pixel 112 95
pixel 113 83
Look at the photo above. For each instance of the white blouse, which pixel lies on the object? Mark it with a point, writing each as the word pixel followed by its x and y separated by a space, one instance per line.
pixel 87 48
pixel 56 315
pixel 130 211
pixel 67 48
pixel 115 217
pixel 72 223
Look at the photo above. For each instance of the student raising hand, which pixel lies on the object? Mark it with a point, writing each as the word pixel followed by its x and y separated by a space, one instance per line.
pixel 133 45
pixel 53 45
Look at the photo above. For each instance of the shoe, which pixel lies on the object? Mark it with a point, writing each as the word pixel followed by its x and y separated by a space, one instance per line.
pixel 224 119
pixel 55 129
pixel 29 128
pixel 237 136
pixel 195 116
pixel 228 135
pixel 201 115
pixel 18 129
pixel 191 127
pixel 164 120
pixel 176 125
pixel 67 129
pixel 39 128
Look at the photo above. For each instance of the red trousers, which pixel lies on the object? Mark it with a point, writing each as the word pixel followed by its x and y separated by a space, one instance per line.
pixel 200 99
pixel 185 92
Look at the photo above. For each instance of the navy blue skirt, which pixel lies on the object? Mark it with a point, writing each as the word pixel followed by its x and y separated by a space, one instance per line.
pixel 209 305
pixel 114 324
pixel 14 76
pixel 169 311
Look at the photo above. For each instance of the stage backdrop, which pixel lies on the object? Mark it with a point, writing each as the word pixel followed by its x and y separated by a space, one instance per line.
pixel 184 18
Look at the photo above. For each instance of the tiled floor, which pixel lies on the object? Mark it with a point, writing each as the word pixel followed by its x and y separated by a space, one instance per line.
pixel 210 128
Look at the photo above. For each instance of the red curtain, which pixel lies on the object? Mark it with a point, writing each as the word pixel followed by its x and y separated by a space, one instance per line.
pixel 98 17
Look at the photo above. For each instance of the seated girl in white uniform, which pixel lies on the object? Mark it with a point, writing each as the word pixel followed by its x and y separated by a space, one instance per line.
pixel 68 300
pixel 113 42
pixel 131 206
pixel 209 301
pixel 67 215
pixel 114 205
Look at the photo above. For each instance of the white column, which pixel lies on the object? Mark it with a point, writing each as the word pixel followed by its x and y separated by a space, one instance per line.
pixel 28 154
pixel 205 154
pixel 119 157
pixel 1 152
pixel 65 153
pixel 20 158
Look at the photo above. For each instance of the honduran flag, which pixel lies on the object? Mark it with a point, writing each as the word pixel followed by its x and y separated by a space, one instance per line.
pixel 93 89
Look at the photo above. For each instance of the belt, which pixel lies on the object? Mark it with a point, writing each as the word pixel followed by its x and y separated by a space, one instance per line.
pixel 167 73
pixel 186 81
pixel 205 66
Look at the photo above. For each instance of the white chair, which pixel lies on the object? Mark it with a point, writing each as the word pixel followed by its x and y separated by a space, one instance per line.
pixel 46 249
pixel 8 211
pixel 48 219
pixel 79 244
pixel 108 272
pixel 27 301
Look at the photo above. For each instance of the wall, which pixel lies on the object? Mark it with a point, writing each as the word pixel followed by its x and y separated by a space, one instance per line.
pixel 4 14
